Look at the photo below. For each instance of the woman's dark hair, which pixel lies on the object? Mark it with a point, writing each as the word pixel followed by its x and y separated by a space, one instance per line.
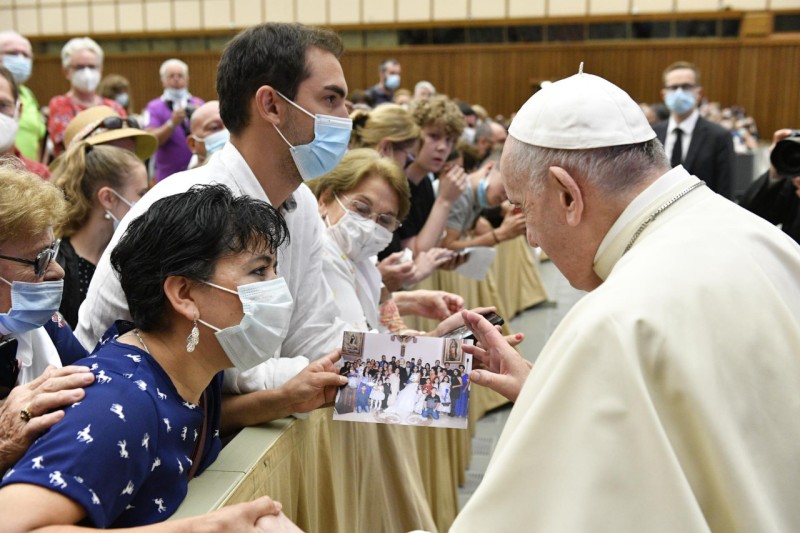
pixel 185 235
pixel 271 54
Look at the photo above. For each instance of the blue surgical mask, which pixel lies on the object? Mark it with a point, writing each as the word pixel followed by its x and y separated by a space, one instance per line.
pixel 19 66
pixel 680 102
pixel 392 81
pixel 32 305
pixel 215 141
pixel 482 186
pixel 122 99
pixel 320 156
pixel 176 95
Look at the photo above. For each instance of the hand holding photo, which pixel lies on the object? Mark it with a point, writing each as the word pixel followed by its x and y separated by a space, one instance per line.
pixel 403 379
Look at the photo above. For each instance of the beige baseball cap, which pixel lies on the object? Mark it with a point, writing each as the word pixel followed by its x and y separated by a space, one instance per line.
pixel 579 113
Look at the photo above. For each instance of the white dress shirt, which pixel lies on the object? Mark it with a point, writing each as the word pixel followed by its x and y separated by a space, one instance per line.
pixel 687 127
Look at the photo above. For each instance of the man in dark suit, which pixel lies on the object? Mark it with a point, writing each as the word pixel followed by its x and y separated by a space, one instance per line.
pixel 703 148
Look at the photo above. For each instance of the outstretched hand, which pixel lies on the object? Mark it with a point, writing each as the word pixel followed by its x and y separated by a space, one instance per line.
pixel 317 384
pixel 502 369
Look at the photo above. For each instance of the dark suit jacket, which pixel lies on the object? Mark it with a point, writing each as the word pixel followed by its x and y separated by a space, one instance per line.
pixel 776 202
pixel 710 156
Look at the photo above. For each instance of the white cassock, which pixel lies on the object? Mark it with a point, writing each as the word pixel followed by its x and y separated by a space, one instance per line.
pixel 668 399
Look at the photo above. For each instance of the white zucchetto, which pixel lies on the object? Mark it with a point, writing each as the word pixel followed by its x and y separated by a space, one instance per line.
pixel 578 113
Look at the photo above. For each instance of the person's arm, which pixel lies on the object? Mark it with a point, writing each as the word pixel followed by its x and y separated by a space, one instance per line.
pixel 315 386
pixel 451 186
pixel 513 225
pixel 428 303
pixel 163 132
pixel 43 398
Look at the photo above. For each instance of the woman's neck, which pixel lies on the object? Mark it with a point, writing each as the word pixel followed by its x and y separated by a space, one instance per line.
pixel 91 239
pixel 86 98
pixel 190 373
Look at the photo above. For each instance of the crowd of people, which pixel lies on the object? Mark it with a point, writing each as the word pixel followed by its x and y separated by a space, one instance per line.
pixel 140 325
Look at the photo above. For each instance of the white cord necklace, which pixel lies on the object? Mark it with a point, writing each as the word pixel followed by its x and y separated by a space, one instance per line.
pixel 658 211
pixel 141 340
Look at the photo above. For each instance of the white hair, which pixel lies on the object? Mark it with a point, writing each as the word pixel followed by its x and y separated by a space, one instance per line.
pixel 9 35
pixel 76 45
pixel 162 70
pixel 424 85
pixel 612 169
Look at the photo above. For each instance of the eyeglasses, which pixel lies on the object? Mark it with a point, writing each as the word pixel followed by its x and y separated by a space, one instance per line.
pixel 42 261
pixel 682 86
pixel 114 123
pixel 363 210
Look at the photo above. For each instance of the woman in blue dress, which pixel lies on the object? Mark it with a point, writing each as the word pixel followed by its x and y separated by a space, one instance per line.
pixel 203 295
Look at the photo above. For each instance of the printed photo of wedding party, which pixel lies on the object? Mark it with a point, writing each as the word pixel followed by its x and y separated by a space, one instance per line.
pixel 409 380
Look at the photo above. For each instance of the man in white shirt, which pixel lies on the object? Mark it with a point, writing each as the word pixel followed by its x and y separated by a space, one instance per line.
pixel 703 148
pixel 666 400
pixel 264 73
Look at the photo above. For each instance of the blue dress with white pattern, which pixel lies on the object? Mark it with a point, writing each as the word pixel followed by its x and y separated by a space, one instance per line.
pixel 124 452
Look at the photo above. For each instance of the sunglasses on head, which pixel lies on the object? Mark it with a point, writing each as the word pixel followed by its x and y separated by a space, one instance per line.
pixel 42 261
pixel 114 123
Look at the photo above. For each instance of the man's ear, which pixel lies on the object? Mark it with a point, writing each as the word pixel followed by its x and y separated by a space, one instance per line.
pixel 178 291
pixel 191 142
pixel 268 104
pixel 569 195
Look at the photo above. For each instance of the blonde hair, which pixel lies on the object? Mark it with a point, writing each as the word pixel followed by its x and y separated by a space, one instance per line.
pixel 356 166
pixel 83 171
pixel 28 204
pixel 438 111
pixel 387 121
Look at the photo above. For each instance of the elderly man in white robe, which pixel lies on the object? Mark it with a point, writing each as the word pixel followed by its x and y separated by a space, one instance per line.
pixel 667 399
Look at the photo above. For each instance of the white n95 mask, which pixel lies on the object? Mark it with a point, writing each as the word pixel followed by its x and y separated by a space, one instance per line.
pixel 268 307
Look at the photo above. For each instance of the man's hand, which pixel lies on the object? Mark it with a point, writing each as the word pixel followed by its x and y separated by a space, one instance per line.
pixel 429 304
pixel 428 261
pixel 54 389
pixel 316 385
pixel 505 371
pixel 456 321
pixel 395 274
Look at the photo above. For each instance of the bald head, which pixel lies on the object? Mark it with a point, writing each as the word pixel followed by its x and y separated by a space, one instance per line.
pixel 205 119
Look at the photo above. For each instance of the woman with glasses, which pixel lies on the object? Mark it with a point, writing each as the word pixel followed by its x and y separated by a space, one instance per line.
pixel 100 183
pixel 32 333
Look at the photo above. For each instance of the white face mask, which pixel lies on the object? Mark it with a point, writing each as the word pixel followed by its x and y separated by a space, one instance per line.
pixel 8 131
pixel 86 79
pixel 268 307
pixel 110 216
pixel 358 237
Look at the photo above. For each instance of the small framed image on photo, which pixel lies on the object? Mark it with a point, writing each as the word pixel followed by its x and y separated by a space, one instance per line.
pixel 353 343
pixel 452 352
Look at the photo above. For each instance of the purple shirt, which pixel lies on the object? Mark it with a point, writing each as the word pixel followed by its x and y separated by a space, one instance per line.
pixel 174 155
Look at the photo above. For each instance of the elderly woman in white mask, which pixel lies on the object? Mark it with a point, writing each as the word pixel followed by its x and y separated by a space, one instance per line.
pixel 82 62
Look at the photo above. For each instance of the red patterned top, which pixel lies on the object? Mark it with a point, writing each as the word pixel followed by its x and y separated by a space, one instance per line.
pixel 63 108
pixel 33 166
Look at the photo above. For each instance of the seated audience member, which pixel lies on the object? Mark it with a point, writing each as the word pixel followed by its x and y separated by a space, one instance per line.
pixel 482 192
pixel 423 89
pixel 33 333
pixel 100 183
pixel 775 196
pixel 383 91
pixel 362 201
pixel 9 124
pixel 208 133
pixel 124 455
pixel 441 123
pixel 666 399
pixel 117 87
pixel 17 57
pixel 82 62
pixel 167 117
pixel 402 97
pixel 391 131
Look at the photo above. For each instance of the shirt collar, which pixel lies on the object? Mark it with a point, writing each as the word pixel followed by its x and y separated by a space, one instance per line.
pixel 687 126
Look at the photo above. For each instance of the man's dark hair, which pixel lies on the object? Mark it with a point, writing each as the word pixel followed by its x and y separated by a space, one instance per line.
pixel 268 54
pixel 185 235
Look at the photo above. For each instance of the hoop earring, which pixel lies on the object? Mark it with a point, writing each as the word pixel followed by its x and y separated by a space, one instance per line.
pixel 194 337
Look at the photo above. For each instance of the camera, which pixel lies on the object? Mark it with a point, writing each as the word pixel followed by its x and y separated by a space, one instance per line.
pixel 785 157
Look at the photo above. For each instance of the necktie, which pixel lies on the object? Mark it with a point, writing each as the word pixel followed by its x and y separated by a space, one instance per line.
pixel 677 149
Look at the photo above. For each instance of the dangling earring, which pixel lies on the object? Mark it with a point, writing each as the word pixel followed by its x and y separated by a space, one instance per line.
pixel 194 337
